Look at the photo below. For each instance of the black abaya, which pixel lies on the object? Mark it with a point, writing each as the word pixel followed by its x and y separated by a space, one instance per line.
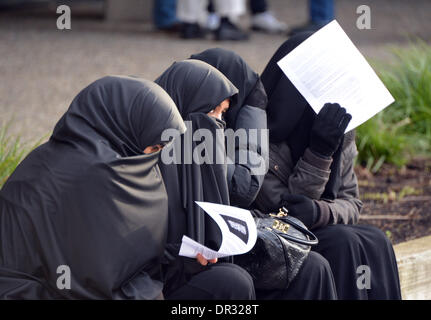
pixel 346 247
pixel 314 281
pixel 197 88
pixel 220 281
pixel 89 199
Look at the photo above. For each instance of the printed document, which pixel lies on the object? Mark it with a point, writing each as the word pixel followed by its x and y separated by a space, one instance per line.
pixel 238 230
pixel 328 68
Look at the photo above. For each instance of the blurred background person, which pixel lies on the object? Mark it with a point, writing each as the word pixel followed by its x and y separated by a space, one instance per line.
pixel 165 15
pixel 165 18
pixel 264 20
pixel 320 13
pixel 261 18
pixel 194 16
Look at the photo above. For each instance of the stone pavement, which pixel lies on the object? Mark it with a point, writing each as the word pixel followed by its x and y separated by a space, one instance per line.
pixel 42 68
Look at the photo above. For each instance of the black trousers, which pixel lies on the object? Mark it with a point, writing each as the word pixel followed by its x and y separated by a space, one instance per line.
pixel 352 249
pixel 313 282
pixel 258 6
pixel 335 269
pixel 220 281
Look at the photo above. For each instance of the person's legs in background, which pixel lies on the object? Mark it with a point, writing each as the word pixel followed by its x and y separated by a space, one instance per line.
pixel 264 20
pixel 165 14
pixel 229 11
pixel 192 14
pixel 321 12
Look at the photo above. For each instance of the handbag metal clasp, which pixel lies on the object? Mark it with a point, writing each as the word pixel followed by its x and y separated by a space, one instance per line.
pixel 282 212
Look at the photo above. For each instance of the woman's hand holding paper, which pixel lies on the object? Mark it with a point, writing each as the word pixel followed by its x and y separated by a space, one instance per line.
pixel 328 129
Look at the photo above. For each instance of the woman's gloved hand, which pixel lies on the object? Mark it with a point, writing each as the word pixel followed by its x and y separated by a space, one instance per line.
pixel 302 208
pixel 328 129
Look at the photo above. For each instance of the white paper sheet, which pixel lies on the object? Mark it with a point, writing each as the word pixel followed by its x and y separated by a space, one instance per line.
pixel 238 232
pixel 327 67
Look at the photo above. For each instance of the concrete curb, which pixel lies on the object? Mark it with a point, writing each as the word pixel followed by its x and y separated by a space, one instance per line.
pixel 414 265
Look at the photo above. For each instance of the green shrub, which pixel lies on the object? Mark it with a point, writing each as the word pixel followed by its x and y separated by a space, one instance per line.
pixel 12 151
pixel 378 143
pixel 403 129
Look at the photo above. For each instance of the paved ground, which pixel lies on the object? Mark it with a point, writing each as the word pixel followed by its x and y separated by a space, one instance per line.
pixel 42 68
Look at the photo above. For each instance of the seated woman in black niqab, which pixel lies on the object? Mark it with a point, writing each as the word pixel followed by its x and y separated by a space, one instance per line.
pixel 84 216
pixel 245 175
pixel 311 174
pixel 202 94
pixel 245 180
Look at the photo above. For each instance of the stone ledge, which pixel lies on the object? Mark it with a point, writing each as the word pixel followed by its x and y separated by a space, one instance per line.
pixel 414 265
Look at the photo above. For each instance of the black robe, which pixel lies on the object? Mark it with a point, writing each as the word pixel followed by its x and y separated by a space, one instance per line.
pixel 344 247
pixel 196 88
pixel 90 200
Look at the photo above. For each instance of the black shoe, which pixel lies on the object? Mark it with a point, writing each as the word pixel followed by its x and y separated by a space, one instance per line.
pixel 174 28
pixel 192 31
pixel 228 31
pixel 304 28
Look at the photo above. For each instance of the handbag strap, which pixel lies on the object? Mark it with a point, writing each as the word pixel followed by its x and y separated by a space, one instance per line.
pixel 312 239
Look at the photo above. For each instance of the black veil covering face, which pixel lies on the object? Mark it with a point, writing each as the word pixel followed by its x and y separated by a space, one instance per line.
pixel 239 73
pixel 89 199
pixel 196 88
pixel 290 117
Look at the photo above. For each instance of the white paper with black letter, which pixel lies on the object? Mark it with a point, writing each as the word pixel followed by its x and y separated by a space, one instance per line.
pixel 327 67
pixel 238 230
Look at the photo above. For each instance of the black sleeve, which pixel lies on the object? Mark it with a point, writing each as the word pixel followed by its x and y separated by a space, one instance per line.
pixel 246 174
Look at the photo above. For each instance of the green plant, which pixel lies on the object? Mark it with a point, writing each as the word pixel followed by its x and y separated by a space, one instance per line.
pixel 403 129
pixel 12 151
pixel 409 81
pixel 389 235
pixel 378 142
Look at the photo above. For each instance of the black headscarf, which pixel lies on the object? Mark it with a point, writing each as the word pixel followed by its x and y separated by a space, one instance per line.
pixel 196 88
pixel 89 199
pixel 290 117
pixel 240 74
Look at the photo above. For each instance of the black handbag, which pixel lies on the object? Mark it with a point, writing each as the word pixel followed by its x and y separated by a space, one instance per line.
pixel 282 245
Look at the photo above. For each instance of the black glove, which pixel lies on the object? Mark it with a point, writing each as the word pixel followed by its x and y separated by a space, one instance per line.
pixel 302 208
pixel 328 129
